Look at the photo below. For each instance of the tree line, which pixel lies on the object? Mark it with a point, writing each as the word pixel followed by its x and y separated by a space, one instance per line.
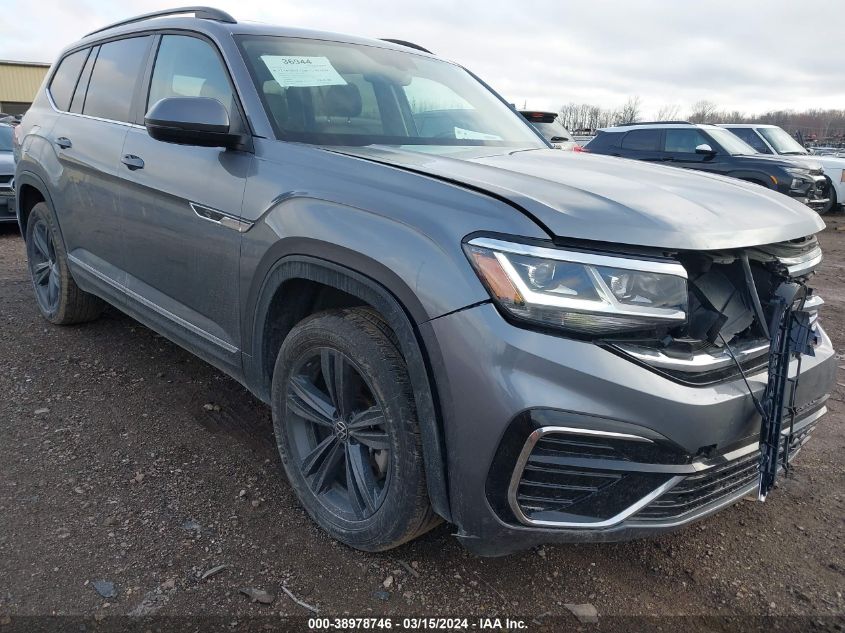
pixel 814 124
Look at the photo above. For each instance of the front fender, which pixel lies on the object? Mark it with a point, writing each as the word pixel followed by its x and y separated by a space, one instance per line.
pixel 417 357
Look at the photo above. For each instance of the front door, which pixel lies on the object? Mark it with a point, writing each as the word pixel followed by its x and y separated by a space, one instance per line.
pixel 181 208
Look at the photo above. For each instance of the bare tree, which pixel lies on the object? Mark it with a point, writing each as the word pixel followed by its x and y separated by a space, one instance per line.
pixel 703 112
pixel 630 112
pixel 669 112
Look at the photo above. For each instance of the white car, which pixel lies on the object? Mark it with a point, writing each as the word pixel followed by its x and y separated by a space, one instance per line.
pixel 770 139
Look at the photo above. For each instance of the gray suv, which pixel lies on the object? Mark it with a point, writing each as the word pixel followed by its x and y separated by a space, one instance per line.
pixel 450 319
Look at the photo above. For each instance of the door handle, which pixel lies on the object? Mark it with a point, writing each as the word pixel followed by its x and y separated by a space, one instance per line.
pixel 132 162
pixel 64 142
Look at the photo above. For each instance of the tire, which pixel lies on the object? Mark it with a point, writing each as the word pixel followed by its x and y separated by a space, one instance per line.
pixel 355 461
pixel 833 203
pixel 59 299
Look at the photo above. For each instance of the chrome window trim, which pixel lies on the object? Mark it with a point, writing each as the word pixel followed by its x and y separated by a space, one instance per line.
pixel 609 261
pixel 154 306
pixel 88 116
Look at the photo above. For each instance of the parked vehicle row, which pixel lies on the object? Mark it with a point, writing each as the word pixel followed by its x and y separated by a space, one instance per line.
pixel 450 319
pixel 770 139
pixel 7 176
pixel 716 150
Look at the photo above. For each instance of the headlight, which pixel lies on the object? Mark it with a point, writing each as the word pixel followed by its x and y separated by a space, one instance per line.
pixel 583 292
pixel 800 176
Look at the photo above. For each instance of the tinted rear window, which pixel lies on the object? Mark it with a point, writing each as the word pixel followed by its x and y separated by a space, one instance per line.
pixel 643 140
pixel 64 81
pixel 114 77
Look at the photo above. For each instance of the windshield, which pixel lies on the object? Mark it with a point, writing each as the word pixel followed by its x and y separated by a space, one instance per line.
pixel 5 138
pixel 331 93
pixel 781 141
pixel 730 142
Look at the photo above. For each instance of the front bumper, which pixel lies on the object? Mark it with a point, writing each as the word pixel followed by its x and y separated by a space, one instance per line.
pixel 640 453
pixel 8 208
pixel 815 192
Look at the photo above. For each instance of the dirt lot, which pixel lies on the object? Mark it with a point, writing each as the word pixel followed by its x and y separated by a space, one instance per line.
pixel 125 459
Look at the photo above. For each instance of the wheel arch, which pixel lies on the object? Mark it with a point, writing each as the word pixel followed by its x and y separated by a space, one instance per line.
pixel 30 191
pixel 294 277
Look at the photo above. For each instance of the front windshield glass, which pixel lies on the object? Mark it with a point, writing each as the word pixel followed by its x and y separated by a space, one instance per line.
pixel 781 141
pixel 5 138
pixel 730 142
pixel 332 93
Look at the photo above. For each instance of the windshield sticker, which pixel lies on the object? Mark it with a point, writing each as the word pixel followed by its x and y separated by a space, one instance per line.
pixel 463 134
pixel 297 71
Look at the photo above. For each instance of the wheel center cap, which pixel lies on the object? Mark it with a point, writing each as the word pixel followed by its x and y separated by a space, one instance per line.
pixel 341 431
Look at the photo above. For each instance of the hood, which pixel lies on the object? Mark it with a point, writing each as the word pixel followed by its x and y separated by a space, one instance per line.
pixel 7 163
pixel 780 160
pixel 602 198
pixel 829 163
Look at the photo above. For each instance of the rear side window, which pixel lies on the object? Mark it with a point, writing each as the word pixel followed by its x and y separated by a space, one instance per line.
pixel 642 140
pixel 82 84
pixel 189 67
pixel 64 81
pixel 114 77
pixel 684 141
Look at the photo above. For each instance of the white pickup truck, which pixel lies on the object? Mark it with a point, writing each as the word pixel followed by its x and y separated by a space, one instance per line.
pixel 770 139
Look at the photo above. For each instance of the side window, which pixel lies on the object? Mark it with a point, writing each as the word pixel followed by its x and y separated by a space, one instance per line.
pixel 684 141
pixel 113 79
pixel 189 67
pixel 82 85
pixel 752 138
pixel 642 140
pixel 64 81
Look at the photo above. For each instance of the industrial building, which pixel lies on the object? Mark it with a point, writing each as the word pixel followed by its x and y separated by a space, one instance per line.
pixel 19 82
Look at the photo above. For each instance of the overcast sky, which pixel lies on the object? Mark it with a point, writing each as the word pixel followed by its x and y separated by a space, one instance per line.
pixel 750 55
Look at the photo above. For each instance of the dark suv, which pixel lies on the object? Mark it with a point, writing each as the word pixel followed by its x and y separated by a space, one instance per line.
pixel 450 321
pixel 713 149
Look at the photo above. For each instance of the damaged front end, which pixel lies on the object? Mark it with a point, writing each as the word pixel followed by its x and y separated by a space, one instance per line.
pixel 747 309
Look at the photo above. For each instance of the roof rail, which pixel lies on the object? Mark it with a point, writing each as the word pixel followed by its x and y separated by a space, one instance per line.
pixel 654 123
pixel 407 44
pixel 203 13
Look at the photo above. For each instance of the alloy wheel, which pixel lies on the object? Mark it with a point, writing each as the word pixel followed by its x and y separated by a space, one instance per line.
pixel 339 434
pixel 44 268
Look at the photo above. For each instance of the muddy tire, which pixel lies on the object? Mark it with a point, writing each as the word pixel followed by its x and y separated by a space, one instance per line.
pixel 346 429
pixel 59 299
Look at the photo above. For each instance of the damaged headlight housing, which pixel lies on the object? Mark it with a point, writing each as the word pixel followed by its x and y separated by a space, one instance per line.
pixel 800 176
pixel 585 293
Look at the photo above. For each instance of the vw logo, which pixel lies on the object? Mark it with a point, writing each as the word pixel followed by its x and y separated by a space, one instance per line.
pixel 341 431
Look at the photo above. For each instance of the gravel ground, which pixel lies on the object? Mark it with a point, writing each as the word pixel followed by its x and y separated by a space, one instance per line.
pixel 125 459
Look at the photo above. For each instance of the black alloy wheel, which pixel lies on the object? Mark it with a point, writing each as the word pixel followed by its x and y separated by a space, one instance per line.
pixel 337 429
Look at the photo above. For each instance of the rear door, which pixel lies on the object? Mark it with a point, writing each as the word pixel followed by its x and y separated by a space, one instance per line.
pixel 181 209
pixel 88 138
pixel 641 144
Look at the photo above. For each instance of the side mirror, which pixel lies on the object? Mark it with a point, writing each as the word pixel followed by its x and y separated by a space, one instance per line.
pixel 200 121
pixel 704 148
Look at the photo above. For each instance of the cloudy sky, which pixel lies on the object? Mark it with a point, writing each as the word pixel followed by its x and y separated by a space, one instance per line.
pixel 750 55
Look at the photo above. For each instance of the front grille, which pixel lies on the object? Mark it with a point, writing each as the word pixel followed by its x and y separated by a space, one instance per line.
pixel 716 484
